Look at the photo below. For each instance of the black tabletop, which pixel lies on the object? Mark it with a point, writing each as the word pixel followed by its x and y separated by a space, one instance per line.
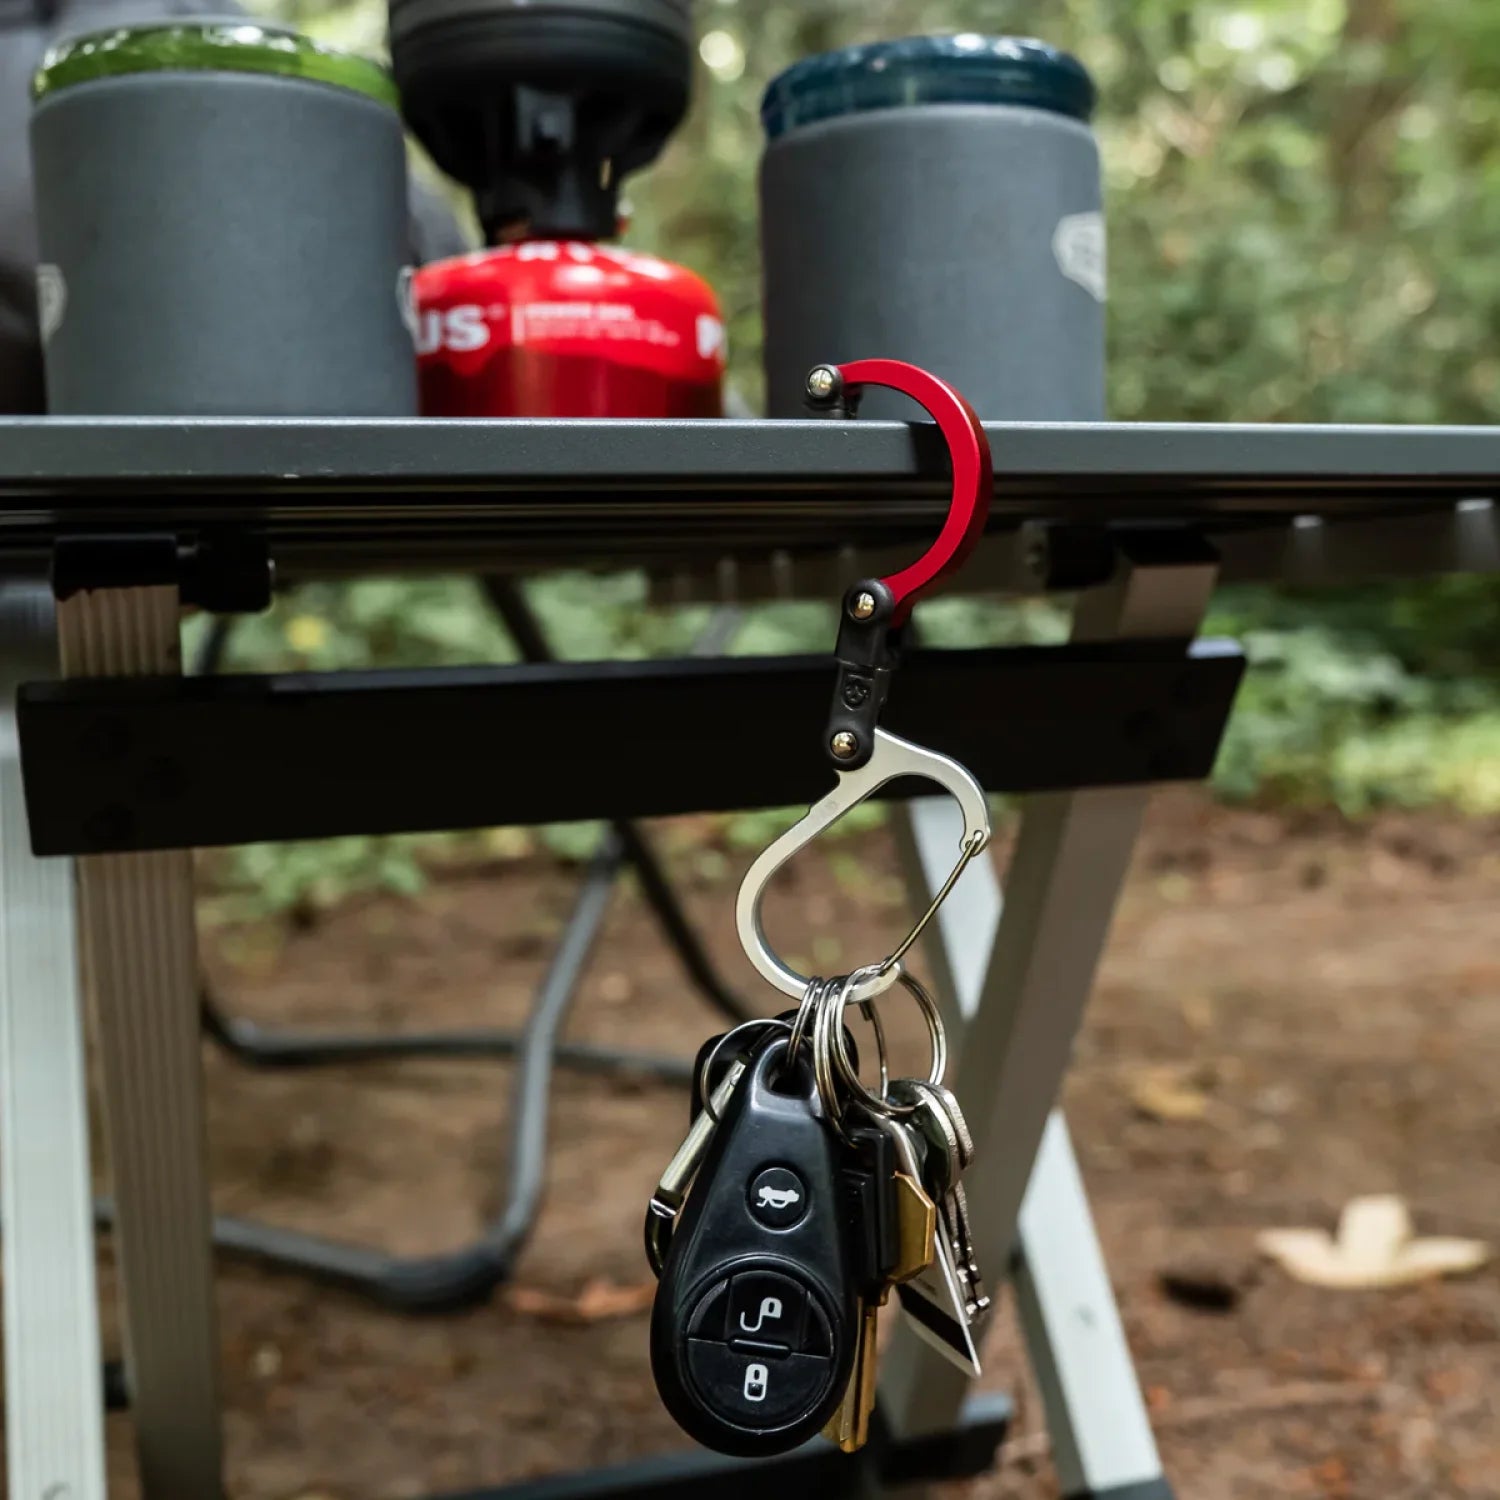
pixel 429 492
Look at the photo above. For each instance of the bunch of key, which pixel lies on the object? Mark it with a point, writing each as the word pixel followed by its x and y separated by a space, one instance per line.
pixel 798 1202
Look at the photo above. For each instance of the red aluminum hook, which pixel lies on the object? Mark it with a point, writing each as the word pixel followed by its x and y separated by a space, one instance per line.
pixel 973 472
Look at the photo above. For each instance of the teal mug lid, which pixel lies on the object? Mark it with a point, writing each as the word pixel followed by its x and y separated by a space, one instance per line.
pixel 962 69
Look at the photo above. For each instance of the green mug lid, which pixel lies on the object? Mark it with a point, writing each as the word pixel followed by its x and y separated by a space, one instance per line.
pixel 225 46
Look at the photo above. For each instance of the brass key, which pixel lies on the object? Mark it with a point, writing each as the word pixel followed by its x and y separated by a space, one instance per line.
pixel 916 1235
pixel 849 1427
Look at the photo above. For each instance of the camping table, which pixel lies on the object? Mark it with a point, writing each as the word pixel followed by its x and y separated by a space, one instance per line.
pixel 121 766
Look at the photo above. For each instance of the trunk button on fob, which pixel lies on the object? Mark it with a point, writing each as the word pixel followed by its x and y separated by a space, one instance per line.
pixel 778 1197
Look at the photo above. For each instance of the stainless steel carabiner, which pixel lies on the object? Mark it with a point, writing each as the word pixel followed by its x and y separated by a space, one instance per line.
pixel 891 757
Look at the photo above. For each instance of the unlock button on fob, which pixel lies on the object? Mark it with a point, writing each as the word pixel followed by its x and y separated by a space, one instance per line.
pixel 765 1308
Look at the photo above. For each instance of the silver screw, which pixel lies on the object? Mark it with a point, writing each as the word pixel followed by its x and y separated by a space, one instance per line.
pixel 863 606
pixel 844 744
pixel 822 382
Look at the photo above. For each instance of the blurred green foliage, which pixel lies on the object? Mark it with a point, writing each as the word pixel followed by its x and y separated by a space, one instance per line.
pixel 1303 197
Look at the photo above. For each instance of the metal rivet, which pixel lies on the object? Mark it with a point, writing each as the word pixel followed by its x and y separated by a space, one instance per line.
pixel 844 744
pixel 863 606
pixel 822 382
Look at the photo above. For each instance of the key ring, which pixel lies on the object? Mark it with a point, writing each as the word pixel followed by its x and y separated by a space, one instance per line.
pixel 864 756
pixel 823 1076
pixel 811 997
pixel 838 1054
pixel 835 998
pixel 849 987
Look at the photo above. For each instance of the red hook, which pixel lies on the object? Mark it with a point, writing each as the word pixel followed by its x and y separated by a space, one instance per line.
pixel 973 472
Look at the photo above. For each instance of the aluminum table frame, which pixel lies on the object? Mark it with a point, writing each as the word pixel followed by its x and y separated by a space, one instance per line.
pixel 725 508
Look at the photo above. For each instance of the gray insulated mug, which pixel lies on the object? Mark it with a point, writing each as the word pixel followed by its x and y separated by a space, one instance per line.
pixel 222 223
pixel 936 200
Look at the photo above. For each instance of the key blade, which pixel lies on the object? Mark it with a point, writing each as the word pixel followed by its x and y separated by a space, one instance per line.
pixel 849 1427
pixel 934 1301
pixel 866 1376
pixel 955 1213
pixel 840 1428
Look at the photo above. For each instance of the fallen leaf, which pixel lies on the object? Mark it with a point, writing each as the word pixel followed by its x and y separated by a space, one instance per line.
pixel 1374 1247
pixel 598 1302
pixel 1168 1094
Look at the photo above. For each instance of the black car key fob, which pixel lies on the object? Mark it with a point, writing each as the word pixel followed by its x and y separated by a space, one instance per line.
pixel 753 1332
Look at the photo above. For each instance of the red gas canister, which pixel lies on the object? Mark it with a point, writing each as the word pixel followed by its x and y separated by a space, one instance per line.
pixel 565 328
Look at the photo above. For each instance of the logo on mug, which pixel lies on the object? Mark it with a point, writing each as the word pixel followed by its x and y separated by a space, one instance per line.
pixel 406 298
pixel 51 298
pixel 1078 246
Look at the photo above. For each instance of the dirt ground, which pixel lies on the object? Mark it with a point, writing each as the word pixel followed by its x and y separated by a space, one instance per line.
pixel 1326 1002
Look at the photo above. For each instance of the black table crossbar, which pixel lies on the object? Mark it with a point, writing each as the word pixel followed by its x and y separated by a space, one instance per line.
pixel 149 763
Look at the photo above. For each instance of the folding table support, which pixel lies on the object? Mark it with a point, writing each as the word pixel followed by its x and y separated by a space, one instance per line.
pixel 1022 979
pixel 1102 1447
pixel 139 952
pixel 53 1410
pixel 1074 1338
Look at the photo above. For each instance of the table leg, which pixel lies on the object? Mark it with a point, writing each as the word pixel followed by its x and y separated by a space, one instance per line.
pixel 1102 1446
pixel 140 969
pixel 53 1399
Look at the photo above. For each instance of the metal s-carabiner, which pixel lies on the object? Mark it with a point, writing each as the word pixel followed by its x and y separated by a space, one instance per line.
pixel 891 757
pixel 864 756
